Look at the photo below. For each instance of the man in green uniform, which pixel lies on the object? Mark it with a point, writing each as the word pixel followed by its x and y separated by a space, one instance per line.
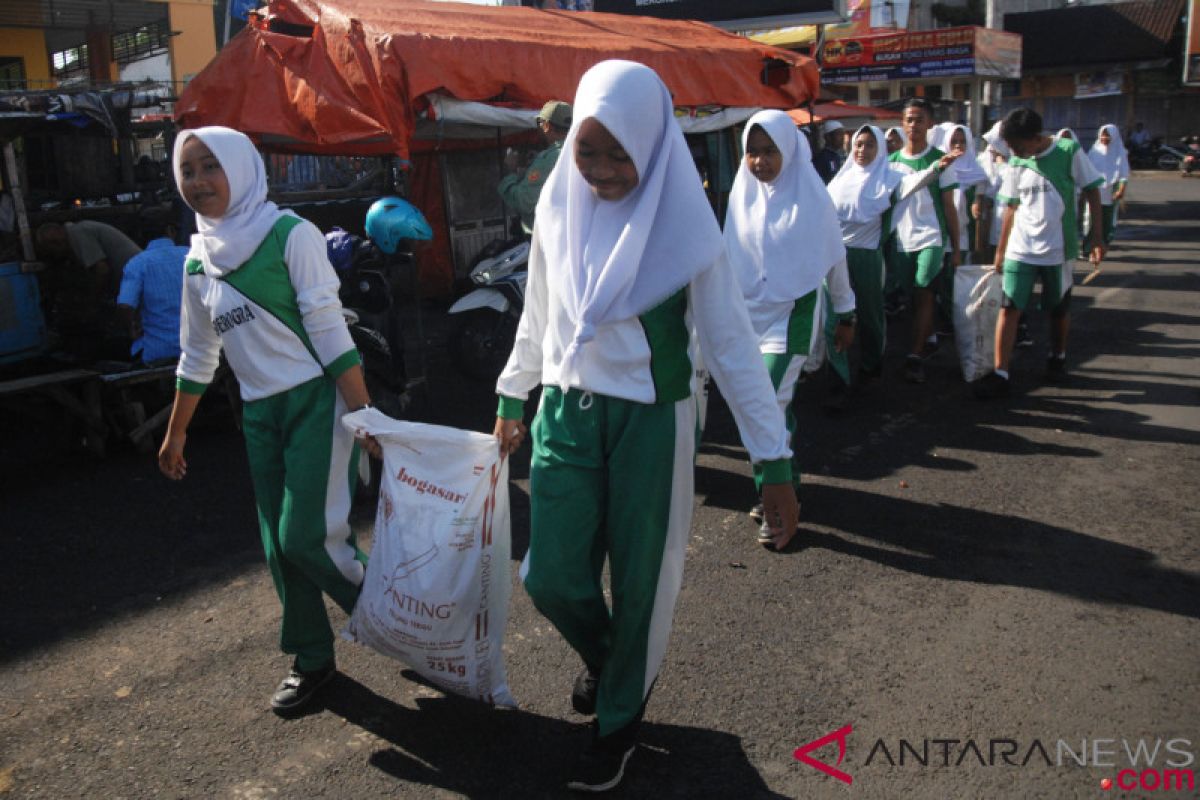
pixel 520 189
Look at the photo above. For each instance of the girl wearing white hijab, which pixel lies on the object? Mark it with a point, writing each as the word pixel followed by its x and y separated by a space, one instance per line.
pixel 783 240
pixel 863 193
pixel 259 286
pixel 626 257
pixel 972 178
pixel 1111 159
pixel 988 213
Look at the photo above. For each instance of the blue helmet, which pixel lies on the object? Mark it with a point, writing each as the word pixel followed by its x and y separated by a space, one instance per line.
pixel 340 246
pixel 390 219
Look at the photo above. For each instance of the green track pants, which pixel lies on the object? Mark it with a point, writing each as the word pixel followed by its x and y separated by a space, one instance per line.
pixel 784 370
pixel 610 479
pixel 867 279
pixel 302 463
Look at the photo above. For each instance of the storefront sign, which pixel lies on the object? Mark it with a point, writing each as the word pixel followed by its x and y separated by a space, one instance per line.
pixel 923 54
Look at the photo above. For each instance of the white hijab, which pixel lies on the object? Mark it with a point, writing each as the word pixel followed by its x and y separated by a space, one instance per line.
pixel 614 260
pixel 996 142
pixel 1112 160
pixel 225 243
pixel 967 165
pixel 863 194
pixel 899 132
pixel 1073 137
pixel 782 237
pixel 939 135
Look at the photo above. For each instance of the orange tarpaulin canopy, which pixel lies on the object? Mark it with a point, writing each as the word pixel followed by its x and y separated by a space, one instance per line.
pixel 351 76
pixel 839 110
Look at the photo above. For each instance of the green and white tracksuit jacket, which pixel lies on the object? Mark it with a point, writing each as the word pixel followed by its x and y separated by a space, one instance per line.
pixel 612 468
pixel 279 321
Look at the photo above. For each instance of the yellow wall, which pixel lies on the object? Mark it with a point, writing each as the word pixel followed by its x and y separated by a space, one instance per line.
pixel 196 43
pixel 28 44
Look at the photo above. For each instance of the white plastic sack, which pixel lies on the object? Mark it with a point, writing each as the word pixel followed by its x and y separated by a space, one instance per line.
pixel 437 585
pixel 978 292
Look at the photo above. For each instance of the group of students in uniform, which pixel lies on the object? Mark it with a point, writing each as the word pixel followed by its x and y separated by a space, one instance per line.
pixel 629 276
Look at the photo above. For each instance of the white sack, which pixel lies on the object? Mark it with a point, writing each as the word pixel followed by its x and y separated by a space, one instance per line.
pixel 437 585
pixel 978 291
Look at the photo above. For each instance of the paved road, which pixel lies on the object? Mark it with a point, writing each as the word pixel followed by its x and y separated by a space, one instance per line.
pixel 1019 577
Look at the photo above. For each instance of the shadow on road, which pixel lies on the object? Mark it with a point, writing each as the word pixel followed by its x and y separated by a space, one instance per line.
pixel 964 544
pixel 457 745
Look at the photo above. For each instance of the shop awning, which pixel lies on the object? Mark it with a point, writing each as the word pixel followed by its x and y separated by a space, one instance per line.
pixel 355 76
pixel 800 36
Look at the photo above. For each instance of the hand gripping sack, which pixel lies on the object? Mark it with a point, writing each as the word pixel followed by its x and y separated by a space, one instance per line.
pixel 978 292
pixel 437 585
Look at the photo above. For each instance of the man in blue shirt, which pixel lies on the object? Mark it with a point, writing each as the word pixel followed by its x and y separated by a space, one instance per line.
pixel 153 285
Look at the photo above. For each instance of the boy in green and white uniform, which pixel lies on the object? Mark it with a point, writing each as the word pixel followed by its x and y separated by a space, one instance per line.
pixel 1038 239
pixel 924 221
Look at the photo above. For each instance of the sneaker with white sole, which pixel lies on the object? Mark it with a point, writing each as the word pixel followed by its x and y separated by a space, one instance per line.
pixel 599 768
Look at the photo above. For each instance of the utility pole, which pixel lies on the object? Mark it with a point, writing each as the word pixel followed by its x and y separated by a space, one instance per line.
pixel 991 88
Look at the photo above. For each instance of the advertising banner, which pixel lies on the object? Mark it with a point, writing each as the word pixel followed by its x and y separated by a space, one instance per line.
pixel 923 54
pixel 871 16
pixel 1098 84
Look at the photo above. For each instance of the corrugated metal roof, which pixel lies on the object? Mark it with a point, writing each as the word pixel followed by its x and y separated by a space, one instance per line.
pixel 1096 34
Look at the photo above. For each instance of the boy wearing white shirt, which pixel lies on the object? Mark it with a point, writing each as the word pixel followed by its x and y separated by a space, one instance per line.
pixel 1037 239
pixel 924 220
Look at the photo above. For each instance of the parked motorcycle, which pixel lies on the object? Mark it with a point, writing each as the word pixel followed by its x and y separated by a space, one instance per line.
pixel 485 321
pixel 1156 155
pixel 374 274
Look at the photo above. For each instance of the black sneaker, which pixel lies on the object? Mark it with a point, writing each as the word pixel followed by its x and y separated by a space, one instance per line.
pixel 895 304
pixel 583 695
pixel 990 386
pixel 914 370
pixel 757 513
pixel 601 766
pixel 298 688
pixel 1023 337
pixel 1056 369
